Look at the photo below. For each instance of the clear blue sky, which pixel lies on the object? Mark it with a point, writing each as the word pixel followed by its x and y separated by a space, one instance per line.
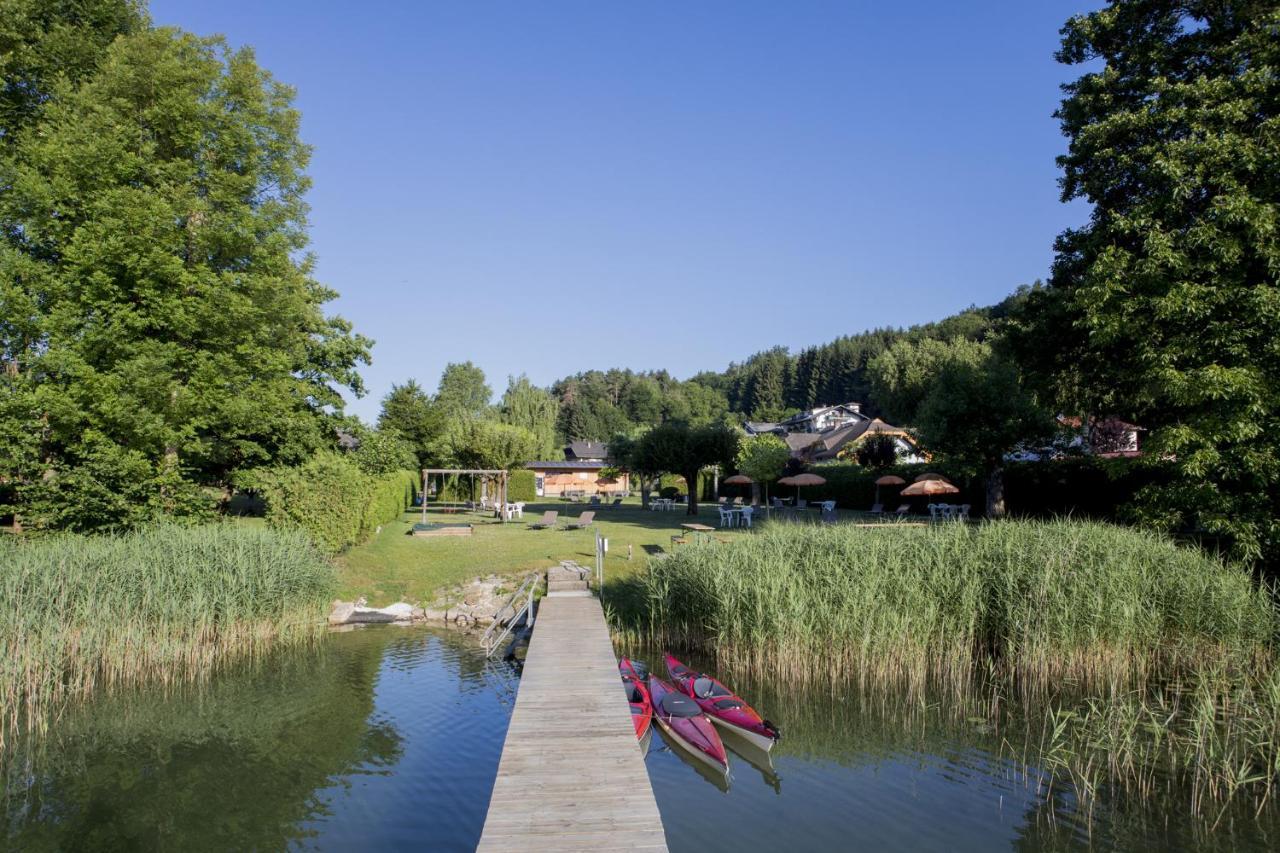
pixel 549 187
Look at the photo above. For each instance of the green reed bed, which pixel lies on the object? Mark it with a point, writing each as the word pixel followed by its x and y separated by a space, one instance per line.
pixel 81 614
pixel 1109 658
pixel 1044 601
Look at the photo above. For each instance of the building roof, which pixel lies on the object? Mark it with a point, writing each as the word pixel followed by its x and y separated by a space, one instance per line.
pixel 841 437
pixel 586 450
pixel 799 441
pixel 810 414
pixel 759 427
pixel 570 464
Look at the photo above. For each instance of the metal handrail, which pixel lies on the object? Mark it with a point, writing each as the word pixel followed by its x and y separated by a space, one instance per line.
pixel 528 590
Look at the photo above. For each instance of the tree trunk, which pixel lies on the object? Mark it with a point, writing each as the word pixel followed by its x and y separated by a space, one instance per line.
pixel 755 494
pixel 691 481
pixel 995 492
pixel 645 491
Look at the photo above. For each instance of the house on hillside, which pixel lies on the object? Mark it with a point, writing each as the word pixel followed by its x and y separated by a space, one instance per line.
pixel 835 432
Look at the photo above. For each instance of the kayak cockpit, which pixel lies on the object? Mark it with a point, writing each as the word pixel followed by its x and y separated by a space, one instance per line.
pixel 706 688
pixel 675 705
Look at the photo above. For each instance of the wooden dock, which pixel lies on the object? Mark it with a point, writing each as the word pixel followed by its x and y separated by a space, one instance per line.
pixel 571 775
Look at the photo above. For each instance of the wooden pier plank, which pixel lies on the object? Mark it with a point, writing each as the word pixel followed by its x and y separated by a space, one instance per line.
pixel 571 775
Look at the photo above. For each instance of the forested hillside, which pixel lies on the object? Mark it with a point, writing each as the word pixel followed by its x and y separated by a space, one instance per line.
pixel 597 404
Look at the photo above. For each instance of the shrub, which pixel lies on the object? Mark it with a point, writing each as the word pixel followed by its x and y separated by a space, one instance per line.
pixel 671 486
pixel 383 452
pixel 521 486
pixel 333 500
pixel 392 494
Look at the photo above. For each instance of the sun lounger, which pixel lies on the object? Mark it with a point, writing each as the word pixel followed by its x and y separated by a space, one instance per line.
pixel 548 520
pixel 582 521
pixel 903 510
pixel 876 509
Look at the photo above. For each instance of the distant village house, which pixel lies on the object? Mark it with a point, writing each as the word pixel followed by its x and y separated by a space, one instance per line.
pixel 580 474
pixel 835 432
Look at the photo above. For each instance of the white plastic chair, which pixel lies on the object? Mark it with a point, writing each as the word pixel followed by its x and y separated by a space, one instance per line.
pixel 726 517
pixel 746 513
pixel 964 512
pixel 933 512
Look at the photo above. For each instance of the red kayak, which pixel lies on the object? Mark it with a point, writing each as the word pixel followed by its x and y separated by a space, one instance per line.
pixel 723 706
pixel 680 717
pixel 637 697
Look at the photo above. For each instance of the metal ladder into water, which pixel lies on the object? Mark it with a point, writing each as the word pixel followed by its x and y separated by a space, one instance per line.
pixel 520 603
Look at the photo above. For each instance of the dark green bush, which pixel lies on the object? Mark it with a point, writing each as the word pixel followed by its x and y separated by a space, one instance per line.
pixel 520 486
pixel 392 494
pixel 673 482
pixel 331 499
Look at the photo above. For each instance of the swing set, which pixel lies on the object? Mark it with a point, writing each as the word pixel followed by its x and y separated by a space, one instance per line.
pixel 484 476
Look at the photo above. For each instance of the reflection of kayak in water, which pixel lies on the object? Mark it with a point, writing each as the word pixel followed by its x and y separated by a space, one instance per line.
pixel 679 716
pixel 758 758
pixel 710 773
pixel 723 706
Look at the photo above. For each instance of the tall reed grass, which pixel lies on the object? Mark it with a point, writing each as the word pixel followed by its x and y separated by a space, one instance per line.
pixel 1129 664
pixel 81 614
pixel 1043 601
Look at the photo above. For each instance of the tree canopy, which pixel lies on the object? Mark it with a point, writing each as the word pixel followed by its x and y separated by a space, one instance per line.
pixel 534 409
pixel 678 447
pixel 161 328
pixel 966 401
pixel 1164 309
pixel 763 458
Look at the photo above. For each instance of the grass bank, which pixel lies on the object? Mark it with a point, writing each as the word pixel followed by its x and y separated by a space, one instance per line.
pixel 80 614
pixel 394 566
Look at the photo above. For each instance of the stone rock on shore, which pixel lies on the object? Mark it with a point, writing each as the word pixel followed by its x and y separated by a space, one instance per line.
pixel 477 603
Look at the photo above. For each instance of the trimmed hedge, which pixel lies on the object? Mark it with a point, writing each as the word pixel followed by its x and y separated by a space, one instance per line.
pixel 333 501
pixel 521 487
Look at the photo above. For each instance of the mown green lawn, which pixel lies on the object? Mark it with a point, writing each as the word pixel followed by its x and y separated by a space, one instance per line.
pixel 394 566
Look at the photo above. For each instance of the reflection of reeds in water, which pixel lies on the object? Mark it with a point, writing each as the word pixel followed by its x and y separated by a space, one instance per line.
pixel 84 614
pixel 1132 662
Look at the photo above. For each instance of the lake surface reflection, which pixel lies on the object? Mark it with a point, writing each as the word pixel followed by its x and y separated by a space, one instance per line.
pixel 378 739
pixel 389 739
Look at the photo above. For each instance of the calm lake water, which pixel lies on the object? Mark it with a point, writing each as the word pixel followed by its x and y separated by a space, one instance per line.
pixel 390 738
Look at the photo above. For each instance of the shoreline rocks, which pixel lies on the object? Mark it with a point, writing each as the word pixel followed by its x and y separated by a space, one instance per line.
pixel 473 604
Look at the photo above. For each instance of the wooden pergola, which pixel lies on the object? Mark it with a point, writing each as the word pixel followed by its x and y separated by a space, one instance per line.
pixel 499 474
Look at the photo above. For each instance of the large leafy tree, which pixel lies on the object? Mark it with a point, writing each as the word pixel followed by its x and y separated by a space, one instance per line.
pixel 967 403
pixel 1165 308
pixel 463 391
pixel 48 43
pixel 532 408
pixel 161 329
pixel 473 443
pixel 679 448
pixel 409 411
pixel 763 458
